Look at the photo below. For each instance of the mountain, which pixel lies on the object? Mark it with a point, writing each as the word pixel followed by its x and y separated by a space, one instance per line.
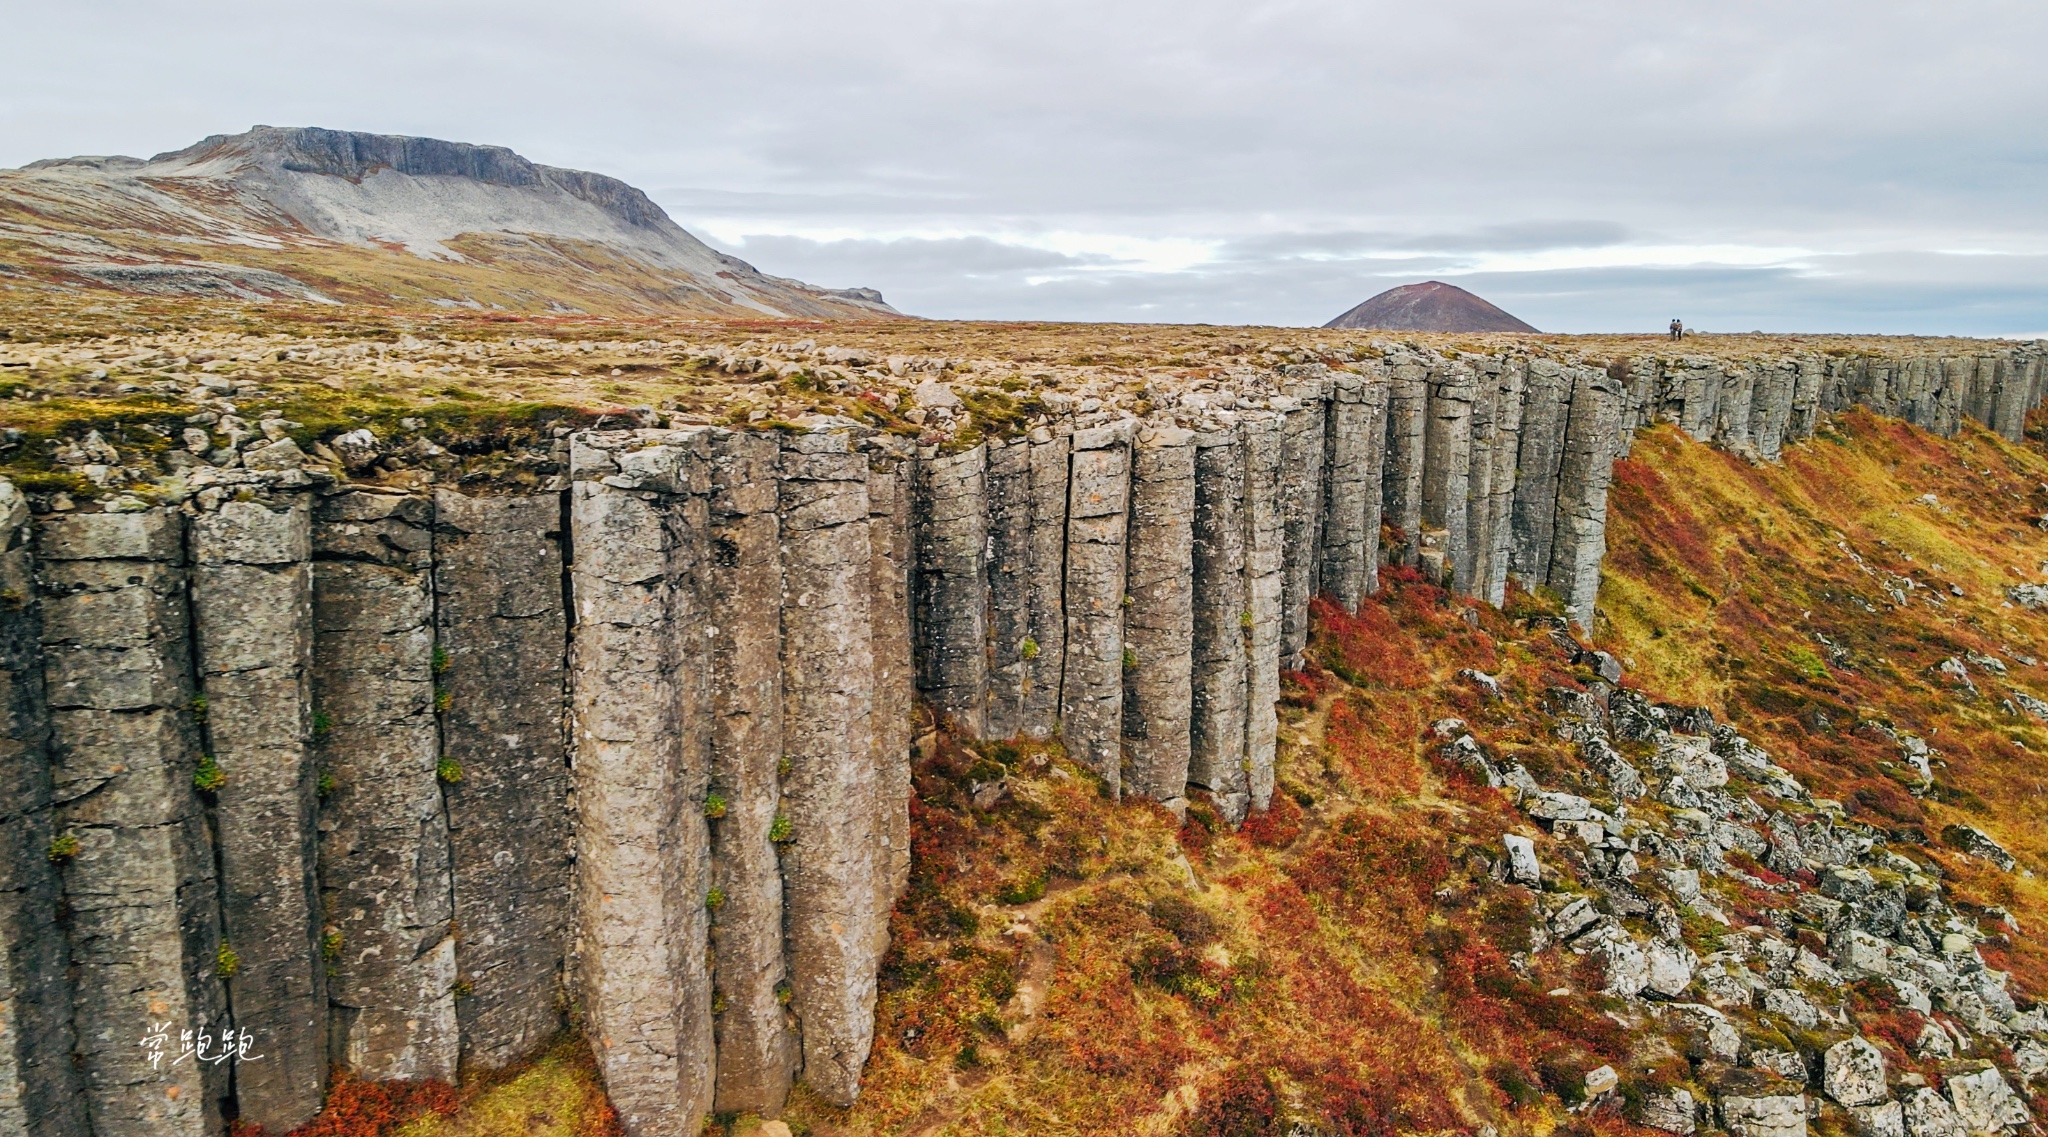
pixel 1431 306
pixel 312 214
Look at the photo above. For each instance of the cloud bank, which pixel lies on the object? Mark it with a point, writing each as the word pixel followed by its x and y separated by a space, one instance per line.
pixel 1819 165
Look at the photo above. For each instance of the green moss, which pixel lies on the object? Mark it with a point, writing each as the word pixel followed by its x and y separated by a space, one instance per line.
pixel 714 806
pixel 208 778
pixel 781 831
pixel 448 770
pixel 714 899
pixel 226 963
pixel 63 847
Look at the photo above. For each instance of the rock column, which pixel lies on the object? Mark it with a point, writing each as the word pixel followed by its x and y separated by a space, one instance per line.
pixel 638 518
pixel 1546 406
pixel 890 470
pixel 1264 538
pixel 834 859
pixel 1092 687
pixel 1217 760
pixel 1493 500
pixel 386 889
pixel 40 1095
pixel 1354 454
pixel 1009 584
pixel 952 586
pixel 757 1045
pixel 141 887
pixel 503 633
pixel 1447 473
pixel 1301 515
pixel 1583 474
pixel 1402 470
pixel 1043 654
pixel 252 593
pixel 1159 625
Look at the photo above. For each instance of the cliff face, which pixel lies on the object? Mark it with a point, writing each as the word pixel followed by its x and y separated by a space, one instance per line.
pixel 373 769
pixel 306 213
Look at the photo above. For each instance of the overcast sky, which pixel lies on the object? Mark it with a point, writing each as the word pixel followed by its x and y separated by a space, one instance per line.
pixel 1592 165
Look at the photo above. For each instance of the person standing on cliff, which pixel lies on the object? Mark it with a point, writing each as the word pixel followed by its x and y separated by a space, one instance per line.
pixel 1677 330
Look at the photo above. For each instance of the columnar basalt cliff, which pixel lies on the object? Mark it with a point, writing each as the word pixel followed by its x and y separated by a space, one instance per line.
pixel 407 779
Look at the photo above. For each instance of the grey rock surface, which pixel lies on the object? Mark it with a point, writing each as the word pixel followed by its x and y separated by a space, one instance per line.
pixel 834 862
pixel 1218 704
pixel 252 614
pixel 503 632
pixel 1159 626
pixel 385 877
pixel 1264 559
pixel 1092 685
pixel 1046 629
pixel 1301 517
pixel 641 737
pixel 40 1094
pixel 952 534
pixel 757 1043
pixel 145 921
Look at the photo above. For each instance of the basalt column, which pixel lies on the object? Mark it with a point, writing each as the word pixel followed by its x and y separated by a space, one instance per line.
pixel 1354 444
pixel 638 518
pixel 833 861
pixel 952 586
pixel 252 593
pixel 1264 536
pixel 39 1091
pixel 890 469
pixel 384 868
pixel 1402 468
pixel 503 634
pixel 1493 500
pixel 1092 686
pixel 1546 406
pixel 1009 584
pixel 757 1045
pixel 1446 476
pixel 1583 475
pixel 1043 654
pixel 1217 760
pixel 145 922
pixel 1301 515
pixel 1159 625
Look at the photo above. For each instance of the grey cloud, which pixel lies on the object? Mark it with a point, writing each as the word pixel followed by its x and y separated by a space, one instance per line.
pixel 1301 138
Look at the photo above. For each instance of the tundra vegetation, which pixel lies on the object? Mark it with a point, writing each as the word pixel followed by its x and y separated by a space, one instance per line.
pixel 1780 794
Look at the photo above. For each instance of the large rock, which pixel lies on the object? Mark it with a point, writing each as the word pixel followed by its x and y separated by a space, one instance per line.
pixel 1092 690
pixel 1159 626
pixel 1355 445
pixel 1673 1111
pixel 1044 653
pixel 757 1049
pixel 503 635
pixel 1301 517
pixel 1928 1114
pixel 386 886
pixel 1985 1103
pixel 1217 757
pixel 1009 584
pixel 1671 966
pixel 252 601
pixel 1853 1072
pixel 1264 538
pixel 834 861
pixel 638 522
pixel 952 537
pixel 1767 1115
pixel 145 922
pixel 40 1094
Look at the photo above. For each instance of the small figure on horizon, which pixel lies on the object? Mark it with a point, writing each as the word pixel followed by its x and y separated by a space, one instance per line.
pixel 1677 329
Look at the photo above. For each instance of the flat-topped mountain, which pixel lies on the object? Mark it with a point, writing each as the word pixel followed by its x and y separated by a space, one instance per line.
pixel 316 214
pixel 1431 306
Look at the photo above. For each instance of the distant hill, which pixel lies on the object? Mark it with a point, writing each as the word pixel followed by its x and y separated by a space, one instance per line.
pixel 1431 306
pixel 315 214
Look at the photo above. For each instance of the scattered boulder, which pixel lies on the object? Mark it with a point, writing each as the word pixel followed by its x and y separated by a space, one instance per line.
pixel 1880 1119
pixel 1770 1115
pixel 1977 843
pixel 1985 1103
pixel 2030 596
pixel 1671 966
pixel 1673 1111
pixel 1853 1072
pixel 1691 759
pixel 1523 868
pixel 1928 1114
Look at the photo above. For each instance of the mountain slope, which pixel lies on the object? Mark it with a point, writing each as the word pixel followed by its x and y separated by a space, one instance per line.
pixel 315 214
pixel 1431 306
